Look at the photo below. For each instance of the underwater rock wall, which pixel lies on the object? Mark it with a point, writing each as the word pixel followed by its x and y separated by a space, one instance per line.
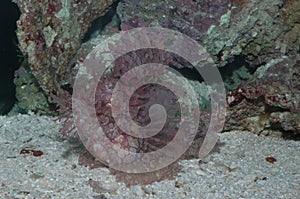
pixel 50 33
pixel 258 30
pixel 269 101
pixel 258 39
pixel 265 90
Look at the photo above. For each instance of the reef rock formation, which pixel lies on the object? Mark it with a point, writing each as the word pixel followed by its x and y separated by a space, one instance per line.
pixel 270 101
pixel 255 45
pixel 50 32
pixel 258 30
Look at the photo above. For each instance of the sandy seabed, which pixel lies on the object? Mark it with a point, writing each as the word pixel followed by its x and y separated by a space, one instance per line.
pixel 37 163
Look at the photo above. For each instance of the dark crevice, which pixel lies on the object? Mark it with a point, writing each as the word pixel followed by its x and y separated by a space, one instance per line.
pixel 271 109
pixel 236 72
pixel 9 54
pixel 100 23
pixel 290 135
pixel 189 73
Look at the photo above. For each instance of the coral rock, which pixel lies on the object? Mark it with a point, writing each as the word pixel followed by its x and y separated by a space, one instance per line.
pixel 258 30
pixel 271 100
pixel 50 33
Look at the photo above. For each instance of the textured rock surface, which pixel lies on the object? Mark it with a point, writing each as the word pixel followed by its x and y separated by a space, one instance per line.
pixel 258 30
pixel 262 37
pixel 28 93
pixel 255 44
pixel 50 33
pixel 271 100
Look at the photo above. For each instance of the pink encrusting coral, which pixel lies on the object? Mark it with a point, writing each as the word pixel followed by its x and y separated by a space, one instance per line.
pixel 50 32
